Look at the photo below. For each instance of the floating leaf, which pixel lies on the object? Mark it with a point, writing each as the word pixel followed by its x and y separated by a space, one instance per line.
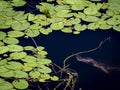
pixel 31 64
pixel 2 80
pixel 43 61
pixel 40 48
pixel 17 55
pixel 116 28
pixel 45 76
pixel 57 26
pixel 79 27
pixel 15 48
pixel 3 49
pixel 15 34
pixel 29 59
pixel 8 74
pixel 75 20
pixel 10 40
pixel 20 16
pixel 20 84
pixel 32 32
pixel 29 48
pixel 6 86
pixel 13 65
pixel 42 53
pixel 3 62
pixel 27 68
pixel 66 30
pixel 105 26
pixel 44 69
pixel 76 32
pixel 3 69
pixel 90 18
pixel 20 25
pixel 54 78
pixel 34 74
pixel 1 43
pixel 2 35
pixel 18 3
pixel 20 74
pixel 92 26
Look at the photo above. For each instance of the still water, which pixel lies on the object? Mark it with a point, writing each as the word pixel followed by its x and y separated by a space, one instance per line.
pixel 60 45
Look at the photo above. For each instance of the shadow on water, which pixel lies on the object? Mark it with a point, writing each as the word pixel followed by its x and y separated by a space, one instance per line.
pixel 60 45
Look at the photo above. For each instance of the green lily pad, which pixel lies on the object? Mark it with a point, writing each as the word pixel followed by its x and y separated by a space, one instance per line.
pixel 90 18
pixel 10 40
pixel 18 3
pixel 13 65
pixel 23 25
pixel 3 49
pixel 79 27
pixel 76 32
pixel 43 61
pixel 54 78
pixel 15 34
pixel 92 26
pixel 105 26
pixel 15 48
pixel 45 76
pixel 8 74
pixel 40 48
pixel 20 84
pixel 3 69
pixel 44 69
pixel 1 43
pixel 3 62
pixel 67 30
pixel 116 28
pixel 31 64
pixel 26 68
pixel 32 32
pixel 18 55
pixel 57 26
pixel 20 74
pixel 2 80
pixel 34 74
pixel 2 35
pixel 30 48
pixel 29 59
pixel 6 86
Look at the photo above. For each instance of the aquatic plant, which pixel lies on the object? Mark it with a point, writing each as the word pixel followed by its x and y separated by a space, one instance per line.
pixel 18 67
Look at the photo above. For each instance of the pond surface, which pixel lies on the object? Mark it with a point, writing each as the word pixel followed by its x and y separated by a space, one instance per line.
pixel 60 45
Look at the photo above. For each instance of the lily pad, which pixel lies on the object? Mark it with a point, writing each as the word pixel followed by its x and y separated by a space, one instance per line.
pixel 32 32
pixel 17 55
pixel 15 34
pixel 6 86
pixel 67 30
pixel 34 74
pixel 3 69
pixel 23 25
pixel 43 61
pixel 8 74
pixel 116 28
pixel 30 48
pixel 15 48
pixel 54 78
pixel 57 26
pixel 1 43
pixel 3 62
pixel 44 69
pixel 13 65
pixel 20 84
pixel 10 40
pixel 20 74
pixel 79 27
pixel 2 35
pixel 3 49
pixel 29 59
pixel 90 18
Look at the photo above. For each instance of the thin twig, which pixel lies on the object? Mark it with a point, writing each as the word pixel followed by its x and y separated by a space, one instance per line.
pixel 91 50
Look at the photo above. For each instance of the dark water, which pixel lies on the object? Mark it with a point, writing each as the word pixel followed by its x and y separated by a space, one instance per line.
pixel 60 45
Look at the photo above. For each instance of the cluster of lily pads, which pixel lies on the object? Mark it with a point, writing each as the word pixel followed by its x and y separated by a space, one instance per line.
pixel 17 66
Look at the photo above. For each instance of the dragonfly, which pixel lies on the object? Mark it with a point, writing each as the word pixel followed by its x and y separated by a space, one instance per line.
pixel 105 68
